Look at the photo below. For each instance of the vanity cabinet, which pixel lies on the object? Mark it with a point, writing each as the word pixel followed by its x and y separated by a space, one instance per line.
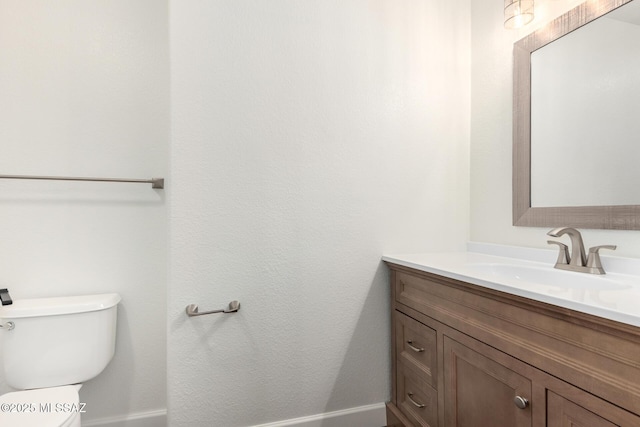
pixel 480 391
pixel 468 356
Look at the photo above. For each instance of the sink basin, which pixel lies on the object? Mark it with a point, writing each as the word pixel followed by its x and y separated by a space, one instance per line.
pixel 548 276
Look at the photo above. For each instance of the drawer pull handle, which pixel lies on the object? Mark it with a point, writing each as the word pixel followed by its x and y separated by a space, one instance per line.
pixel 416 349
pixel 416 404
pixel 521 402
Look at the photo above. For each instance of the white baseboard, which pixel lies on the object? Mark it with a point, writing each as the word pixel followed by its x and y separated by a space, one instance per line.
pixel 362 416
pixel 142 419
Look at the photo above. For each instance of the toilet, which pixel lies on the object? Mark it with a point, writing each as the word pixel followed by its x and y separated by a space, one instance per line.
pixel 50 347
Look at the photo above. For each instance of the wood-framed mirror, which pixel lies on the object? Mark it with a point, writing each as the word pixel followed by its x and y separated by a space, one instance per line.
pixel 575 160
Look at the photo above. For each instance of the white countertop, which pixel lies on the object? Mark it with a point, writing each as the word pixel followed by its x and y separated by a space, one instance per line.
pixel 529 273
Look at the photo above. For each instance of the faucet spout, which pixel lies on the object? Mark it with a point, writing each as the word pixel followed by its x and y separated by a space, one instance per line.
pixel 578 256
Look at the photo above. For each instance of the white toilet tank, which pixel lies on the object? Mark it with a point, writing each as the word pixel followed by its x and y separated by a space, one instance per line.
pixel 57 341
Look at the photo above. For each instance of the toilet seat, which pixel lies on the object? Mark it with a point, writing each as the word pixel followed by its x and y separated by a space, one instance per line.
pixel 43 407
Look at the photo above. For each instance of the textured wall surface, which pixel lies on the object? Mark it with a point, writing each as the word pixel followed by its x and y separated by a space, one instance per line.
pixel 308 138
pixel 491 117
pixel 84 92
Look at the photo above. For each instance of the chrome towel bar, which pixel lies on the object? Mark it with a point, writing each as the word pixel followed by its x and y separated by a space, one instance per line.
pixel 192 309
pixel 155 182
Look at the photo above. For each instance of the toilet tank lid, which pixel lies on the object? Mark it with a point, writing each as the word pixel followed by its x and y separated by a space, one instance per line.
pixel 36 307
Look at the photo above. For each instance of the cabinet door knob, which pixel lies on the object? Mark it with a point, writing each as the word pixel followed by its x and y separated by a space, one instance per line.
pixel 521 402
pixel 417 405
pixel 416 349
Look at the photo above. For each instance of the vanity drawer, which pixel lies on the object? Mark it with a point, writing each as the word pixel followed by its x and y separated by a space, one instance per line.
pixel 416 399
pixel 416 347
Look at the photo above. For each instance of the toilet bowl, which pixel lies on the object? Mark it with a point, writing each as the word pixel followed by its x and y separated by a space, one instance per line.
pixel 43 407
pixel 50 347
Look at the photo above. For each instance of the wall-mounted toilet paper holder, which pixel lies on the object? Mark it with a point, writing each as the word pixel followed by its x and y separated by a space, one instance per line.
pixel 192 309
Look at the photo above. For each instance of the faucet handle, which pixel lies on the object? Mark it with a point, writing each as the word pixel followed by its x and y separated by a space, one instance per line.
pixel 593 261
pixel 563 252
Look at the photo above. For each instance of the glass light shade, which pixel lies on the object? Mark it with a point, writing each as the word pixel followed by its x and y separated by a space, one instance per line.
pixel 517 13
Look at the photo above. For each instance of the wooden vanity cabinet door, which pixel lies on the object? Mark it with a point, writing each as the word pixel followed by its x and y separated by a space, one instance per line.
pixel 480 392
pixel 562 413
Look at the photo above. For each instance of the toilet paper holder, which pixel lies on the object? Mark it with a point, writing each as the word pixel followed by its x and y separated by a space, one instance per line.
pixel 192 309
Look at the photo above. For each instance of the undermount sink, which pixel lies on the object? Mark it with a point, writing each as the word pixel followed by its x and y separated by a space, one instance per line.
pixel 547 276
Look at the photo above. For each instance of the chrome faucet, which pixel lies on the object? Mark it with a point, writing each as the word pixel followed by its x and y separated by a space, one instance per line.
pixel 578 260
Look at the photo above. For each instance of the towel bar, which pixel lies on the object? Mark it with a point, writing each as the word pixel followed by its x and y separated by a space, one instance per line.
pixel 192 309
pixel 155 182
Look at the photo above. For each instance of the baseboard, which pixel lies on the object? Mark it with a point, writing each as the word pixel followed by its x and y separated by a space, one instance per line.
pixel 362 416
pixel 142 419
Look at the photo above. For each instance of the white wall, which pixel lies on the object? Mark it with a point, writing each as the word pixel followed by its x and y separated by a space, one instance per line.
pixel 84 92
pixel 308 138
pixel 491 141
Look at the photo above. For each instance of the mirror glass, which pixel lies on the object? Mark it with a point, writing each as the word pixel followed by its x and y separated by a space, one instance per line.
pixel 585 114
pixel 576 117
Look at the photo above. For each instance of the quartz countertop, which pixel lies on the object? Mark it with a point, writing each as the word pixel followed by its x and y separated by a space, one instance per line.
pixel 529 273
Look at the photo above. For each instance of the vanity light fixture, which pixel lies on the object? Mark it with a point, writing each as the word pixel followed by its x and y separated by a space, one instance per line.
pixel 517 13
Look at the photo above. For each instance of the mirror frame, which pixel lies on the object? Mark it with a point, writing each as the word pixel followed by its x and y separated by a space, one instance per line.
pixel 601 217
